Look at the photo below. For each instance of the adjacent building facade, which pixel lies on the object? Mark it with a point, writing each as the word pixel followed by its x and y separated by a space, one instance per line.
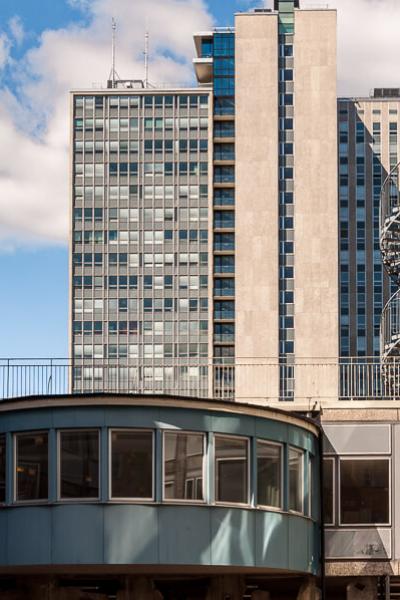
pixel 368 150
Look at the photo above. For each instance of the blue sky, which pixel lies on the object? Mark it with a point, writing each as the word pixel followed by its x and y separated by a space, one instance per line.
pixel 50 47
pixel 34 299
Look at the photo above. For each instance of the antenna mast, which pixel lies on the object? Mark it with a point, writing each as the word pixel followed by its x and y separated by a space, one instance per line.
pixel 113 74
pixel 146 60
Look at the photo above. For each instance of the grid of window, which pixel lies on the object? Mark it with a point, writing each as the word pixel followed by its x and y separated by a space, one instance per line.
pixel 224 194
pixel 140 232
pixel 286 199
pixel 363 165
pixel 195 467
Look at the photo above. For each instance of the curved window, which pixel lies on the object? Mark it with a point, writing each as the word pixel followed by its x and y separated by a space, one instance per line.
pixel 2 468
pixel 269 474
pixel 296 479
pixel 132 464
pixel 32 465
pixel 183 466
pixel 231 470
pixel 79 464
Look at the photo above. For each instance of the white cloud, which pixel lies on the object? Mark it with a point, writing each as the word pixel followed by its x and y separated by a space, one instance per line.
pixel 5 47
pixel 368 44
pixel 34 116
pixel 17 29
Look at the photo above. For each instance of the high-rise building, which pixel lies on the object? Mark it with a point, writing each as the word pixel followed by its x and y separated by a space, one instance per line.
pixel 368 150
pixel 193 238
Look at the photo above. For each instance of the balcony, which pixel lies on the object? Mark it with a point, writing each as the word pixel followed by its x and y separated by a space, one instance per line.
pixel 306 383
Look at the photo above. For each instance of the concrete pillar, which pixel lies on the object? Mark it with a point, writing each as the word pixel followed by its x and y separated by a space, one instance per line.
pixel 260 595
pixel 362 588
pixel 226 588
pixel 309 590
pixel 139 588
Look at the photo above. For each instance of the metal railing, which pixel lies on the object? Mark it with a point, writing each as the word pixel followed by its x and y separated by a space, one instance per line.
pixel 310 381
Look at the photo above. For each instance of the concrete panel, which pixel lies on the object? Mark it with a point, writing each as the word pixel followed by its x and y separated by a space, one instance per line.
pixel 170 418
pixel 256 205
pixel 300 438
pixel 233 537
pixel 77 534
pixel 122 416
pixel 185 537
pixel 131 534
pixel 272 531
pixel 3 537
pixel 233 424
pixel 316 238
pixel 298 543
pixel 84 417
pixel 29 420
pixel 29 536
pixel 357 439
pixel 365 544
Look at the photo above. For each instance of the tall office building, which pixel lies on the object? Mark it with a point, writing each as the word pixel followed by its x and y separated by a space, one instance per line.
pixel 193 238
pixel 368 150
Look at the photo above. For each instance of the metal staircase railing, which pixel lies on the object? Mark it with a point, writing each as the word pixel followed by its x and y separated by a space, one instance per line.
pixel 390 250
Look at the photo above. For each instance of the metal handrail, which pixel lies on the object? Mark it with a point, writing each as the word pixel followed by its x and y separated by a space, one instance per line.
pixel 251 380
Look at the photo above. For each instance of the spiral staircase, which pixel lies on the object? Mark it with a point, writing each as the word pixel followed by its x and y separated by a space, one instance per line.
pixel 390 249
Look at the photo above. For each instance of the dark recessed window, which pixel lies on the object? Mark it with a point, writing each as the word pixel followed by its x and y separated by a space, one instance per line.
pixel 183 466
pixel 79 464
pixel 231 470
pixel 32 463
pixel 269 474
pixel 2 468
pixel 364 491
pixel 132 464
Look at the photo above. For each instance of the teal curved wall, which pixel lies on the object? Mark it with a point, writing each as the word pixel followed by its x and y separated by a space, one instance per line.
pixel 111 533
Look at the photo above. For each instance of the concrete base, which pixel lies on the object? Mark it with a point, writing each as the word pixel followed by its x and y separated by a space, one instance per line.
pixel 363 588
pixel 226 588
pixel 309 590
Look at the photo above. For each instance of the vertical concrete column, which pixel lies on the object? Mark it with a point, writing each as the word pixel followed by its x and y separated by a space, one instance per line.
pixel 139 588
pixel 363 588
pixel 309 590
pixel 226 588
pixel 260 595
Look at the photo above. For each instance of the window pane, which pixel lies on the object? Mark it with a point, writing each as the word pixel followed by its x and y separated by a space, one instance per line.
pixel 328 491
pixel 296 480
pixel 79 463
pixel 2 468
pixel 32 466
pixel 132 464
pixel 269 468
pixel 231 472
pixel 183 466
pixel 364 491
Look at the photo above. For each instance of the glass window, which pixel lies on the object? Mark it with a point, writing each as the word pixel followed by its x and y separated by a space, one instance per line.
pixel 269 474
pixel 2 468
pixel 231 470
pixel 296 468
pixel 32 463
pixel 183 466
pixel 132 464
pixel 328 491
pixel 79 464
pixel 364 491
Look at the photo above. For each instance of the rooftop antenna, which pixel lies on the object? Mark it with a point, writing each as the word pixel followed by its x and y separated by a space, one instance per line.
pixel 113 78
pixel 146 59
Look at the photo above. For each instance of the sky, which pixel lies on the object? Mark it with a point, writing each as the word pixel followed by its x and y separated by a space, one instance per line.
pixel 51 47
